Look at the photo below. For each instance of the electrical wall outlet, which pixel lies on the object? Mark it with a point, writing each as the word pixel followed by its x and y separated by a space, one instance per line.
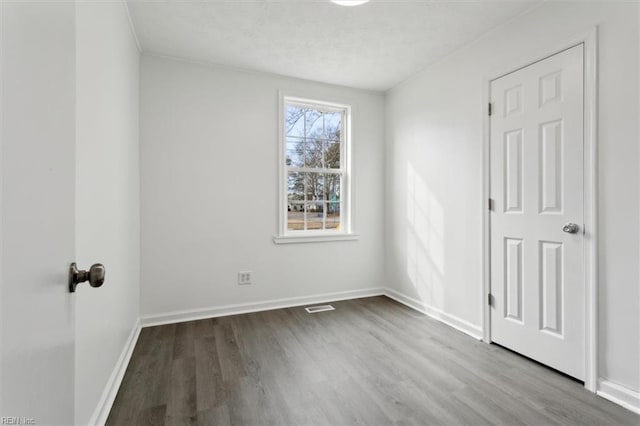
pixel 244 277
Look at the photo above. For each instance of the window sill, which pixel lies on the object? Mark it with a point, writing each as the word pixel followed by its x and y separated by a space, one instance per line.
pixel 298 239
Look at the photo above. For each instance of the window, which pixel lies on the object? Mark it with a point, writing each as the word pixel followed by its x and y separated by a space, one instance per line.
pixel 315 181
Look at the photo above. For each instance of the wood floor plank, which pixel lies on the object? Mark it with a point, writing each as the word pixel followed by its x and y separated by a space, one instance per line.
pixel 230 358
pixel 258 402
pixel 164 377
pixel 371 361
pixel 217 416
pixel 130 400
pixel 182 406
pixel 153 416
pixel 211 390
pixel 183 346
pixel 205 327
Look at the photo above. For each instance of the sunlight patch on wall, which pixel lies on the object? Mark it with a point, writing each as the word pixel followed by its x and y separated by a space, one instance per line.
pixel 425 243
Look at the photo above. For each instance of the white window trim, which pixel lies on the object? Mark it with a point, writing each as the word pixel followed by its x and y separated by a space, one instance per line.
pixel 313 236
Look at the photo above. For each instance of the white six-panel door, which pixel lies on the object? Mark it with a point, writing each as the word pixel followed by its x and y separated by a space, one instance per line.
pixel 537 269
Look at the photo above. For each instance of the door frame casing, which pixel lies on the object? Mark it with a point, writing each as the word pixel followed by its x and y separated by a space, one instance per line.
pixel 590 187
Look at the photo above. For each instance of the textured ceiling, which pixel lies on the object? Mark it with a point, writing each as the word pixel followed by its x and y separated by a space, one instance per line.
pixel 374 46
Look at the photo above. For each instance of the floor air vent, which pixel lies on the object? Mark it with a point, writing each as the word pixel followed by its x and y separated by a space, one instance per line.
pixel 319 308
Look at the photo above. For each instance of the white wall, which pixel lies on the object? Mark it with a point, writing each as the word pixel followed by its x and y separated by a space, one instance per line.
pixel 209 179
pixel 37 45
pixel 434 171
pixel 107 194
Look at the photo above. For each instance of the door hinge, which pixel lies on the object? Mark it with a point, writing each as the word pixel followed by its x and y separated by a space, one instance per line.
pixel 490 299
pixel 490 109
pixel 491 204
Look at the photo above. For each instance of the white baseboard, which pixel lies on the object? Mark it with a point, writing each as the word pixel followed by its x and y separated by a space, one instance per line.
pixel 451 320
pixel 244 308
pixel 100 414
pixel 621 395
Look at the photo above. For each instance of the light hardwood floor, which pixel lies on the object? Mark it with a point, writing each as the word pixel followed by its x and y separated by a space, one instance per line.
pixel 371 361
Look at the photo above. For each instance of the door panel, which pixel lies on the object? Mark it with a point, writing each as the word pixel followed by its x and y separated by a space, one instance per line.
pixel 551 288
pixel 513 172
pixel 550 196
pixel 537 270
pixel 513 279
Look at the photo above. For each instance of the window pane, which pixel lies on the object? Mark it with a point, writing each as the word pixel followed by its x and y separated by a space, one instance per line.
pixel 313 198
pixel 314 212
pixel 295 216
pixel 314 187
pixel 294 121
pixel 332 185
pixel 295 152
pixel 332 155
pixel 332 125
pixel 313 153
pixel 314 124
pixel 295 187
pixel 333 216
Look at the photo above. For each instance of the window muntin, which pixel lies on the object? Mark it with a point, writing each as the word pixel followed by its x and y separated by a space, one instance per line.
pixel 315 156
